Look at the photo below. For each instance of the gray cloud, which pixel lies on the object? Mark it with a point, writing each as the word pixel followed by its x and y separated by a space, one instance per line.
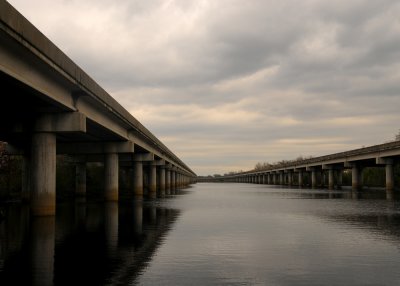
pixel 226 84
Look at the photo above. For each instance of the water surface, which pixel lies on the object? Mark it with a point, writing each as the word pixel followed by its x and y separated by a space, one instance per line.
pixel 209 234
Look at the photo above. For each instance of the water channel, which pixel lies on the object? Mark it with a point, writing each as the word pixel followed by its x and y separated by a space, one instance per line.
pixel 209 234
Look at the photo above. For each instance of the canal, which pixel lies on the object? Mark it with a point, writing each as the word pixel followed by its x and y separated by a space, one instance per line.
pixel 208 234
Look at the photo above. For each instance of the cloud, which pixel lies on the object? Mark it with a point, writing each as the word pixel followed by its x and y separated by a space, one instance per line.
pixel 226 84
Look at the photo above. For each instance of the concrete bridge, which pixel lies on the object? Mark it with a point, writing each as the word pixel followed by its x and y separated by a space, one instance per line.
pixel 292 173
pixel 51 106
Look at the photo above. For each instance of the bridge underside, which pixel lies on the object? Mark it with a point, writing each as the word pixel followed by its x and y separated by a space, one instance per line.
pixel 51 106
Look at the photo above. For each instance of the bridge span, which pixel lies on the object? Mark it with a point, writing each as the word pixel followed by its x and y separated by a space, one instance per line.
pixel 51 106
pixel 383 155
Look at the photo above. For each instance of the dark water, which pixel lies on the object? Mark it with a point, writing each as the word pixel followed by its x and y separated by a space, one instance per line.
pixel 209 234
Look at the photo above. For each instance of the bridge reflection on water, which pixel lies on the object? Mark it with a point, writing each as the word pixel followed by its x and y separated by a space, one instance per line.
pixel 85 244
pixel 251 226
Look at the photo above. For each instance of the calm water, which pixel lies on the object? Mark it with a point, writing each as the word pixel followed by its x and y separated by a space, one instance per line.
pixel 209 234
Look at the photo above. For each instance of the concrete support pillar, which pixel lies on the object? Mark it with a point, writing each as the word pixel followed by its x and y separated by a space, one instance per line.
pixel 80 179
pixel 167 181
pixel 331 182
pixel 356 178
pixel 388 162
pixel 173 180
pixel 300 179
pixel 111 177
pixel 339 178
pixel 138 179
pixel 152 180
pixel 43 174
pixel 176 180
pixel 281 179
pixel 176 175
pixel 313 179
pixel 161 181
pixel 290 177
pixel 389 177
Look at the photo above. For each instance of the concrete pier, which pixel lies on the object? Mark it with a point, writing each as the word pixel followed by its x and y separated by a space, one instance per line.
pixel 355 178
pixel 290 178
pixel 161 178
pixel 173 181
pixel 138 179
pixel 167 181
pixel 389 176
pixel 152 180
pixel 43 174
pixel 300 174
pixel 389 180
pixel 331 182
pixel 313 179
pixel 339 178
pixel 111 177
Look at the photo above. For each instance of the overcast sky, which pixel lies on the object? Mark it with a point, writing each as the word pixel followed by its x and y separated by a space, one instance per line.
pixel 229 83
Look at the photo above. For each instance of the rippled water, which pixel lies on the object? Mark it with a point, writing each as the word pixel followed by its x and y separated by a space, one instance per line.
pixel 209 234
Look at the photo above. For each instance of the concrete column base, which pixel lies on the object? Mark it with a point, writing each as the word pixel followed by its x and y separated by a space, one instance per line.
pixel 313 179
pixel 43 174
pixel 161 181
pixel 111 177
pixel 152 181
pixel 300 179
pixel 167 182
pixel 356 178
pixel 331 182
pixel 389 177
pixel 138 179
